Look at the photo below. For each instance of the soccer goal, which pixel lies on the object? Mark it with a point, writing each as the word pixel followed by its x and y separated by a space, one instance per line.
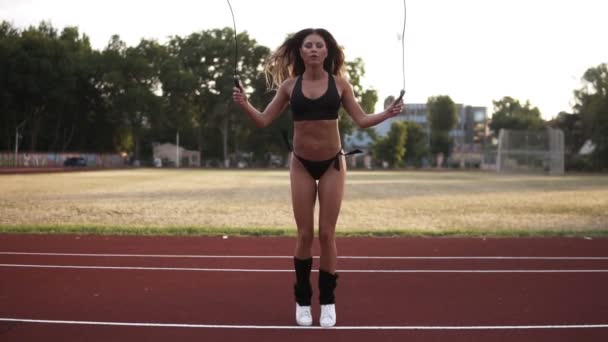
pixel 531 151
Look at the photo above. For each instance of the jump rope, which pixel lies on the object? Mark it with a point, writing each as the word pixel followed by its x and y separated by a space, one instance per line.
pixel 403 53
pixel 237 82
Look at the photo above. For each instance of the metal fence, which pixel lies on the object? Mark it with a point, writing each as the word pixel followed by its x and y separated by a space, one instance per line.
pixel 52 159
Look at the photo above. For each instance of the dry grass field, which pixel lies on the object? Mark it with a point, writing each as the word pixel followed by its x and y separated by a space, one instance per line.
pixel 375 201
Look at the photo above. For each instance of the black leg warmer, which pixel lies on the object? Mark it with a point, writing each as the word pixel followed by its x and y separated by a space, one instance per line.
pixel 302 288
pixel 327 285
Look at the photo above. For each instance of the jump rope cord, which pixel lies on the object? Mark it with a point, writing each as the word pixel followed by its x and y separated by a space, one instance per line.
pixel 236 55
pixel 403 44
pixel 236 48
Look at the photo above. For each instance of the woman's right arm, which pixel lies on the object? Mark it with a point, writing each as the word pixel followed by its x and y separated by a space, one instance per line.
pixel 272 111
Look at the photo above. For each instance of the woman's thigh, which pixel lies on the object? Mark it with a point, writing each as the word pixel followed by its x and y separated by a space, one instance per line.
pixel 303 195
pixel 331 192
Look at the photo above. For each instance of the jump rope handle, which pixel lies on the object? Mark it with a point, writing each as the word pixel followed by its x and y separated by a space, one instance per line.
pixel 400 96
pixel 237 83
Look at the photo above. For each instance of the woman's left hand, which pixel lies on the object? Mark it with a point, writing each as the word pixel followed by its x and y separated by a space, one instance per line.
pixel 395 108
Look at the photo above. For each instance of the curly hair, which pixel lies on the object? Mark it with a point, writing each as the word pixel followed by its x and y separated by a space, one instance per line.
pixel 286 61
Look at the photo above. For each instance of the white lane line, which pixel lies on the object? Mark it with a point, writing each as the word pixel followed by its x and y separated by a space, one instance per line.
pixel 291 271
pixel 288 327
pixel 185 256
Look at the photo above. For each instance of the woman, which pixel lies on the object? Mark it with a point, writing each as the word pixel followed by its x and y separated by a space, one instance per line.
pixel 307 73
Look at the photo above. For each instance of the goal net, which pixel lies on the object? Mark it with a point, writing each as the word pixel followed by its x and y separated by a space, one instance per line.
pixel 530 151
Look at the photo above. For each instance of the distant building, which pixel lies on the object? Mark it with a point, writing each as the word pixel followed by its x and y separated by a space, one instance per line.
pixel 414 112
pixel 468 134
pixel 167 155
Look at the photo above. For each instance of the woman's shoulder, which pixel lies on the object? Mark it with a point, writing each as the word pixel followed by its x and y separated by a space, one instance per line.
pixel 289 81
pixel 341 80
pixel 342 83
pixel 287 86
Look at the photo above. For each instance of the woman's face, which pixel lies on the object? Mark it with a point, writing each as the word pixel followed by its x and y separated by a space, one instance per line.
pixel 313 50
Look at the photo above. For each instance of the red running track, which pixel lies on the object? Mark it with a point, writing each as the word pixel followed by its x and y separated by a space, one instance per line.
pixel 531 289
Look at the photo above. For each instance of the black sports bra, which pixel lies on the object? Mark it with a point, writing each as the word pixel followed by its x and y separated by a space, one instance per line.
pixel 325 107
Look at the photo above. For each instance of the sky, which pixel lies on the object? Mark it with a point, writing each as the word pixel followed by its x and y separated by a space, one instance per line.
pixel 475 51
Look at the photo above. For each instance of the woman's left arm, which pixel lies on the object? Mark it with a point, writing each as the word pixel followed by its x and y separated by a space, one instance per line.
pixel 355 111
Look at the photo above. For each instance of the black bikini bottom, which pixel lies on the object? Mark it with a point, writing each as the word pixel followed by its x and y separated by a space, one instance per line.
pixel 316 168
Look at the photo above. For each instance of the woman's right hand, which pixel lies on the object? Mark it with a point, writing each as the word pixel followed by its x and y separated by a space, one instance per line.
pixel 239 96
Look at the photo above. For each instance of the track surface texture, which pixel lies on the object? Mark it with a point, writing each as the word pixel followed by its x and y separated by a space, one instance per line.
pixel 133 288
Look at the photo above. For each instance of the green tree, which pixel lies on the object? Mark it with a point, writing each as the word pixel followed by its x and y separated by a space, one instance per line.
pixel 509 113
pixel 10 116
pixel 416 144
pixel 367 98
pixel 46 85
pixel 391 148
pixel 442 113
pixel 442 118
pixel 80 100
pixel 268 140
pixel 128 84
pixel 199 80
pixel 592 105
pixel 36 75
pixel 572 126
pixel 66 96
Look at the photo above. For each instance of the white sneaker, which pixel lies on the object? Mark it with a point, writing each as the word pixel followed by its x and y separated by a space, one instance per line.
pixel 303 315
pixel 328 315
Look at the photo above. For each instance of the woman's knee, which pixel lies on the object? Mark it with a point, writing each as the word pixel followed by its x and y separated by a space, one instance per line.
pixel 305 237
pixel 327 236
